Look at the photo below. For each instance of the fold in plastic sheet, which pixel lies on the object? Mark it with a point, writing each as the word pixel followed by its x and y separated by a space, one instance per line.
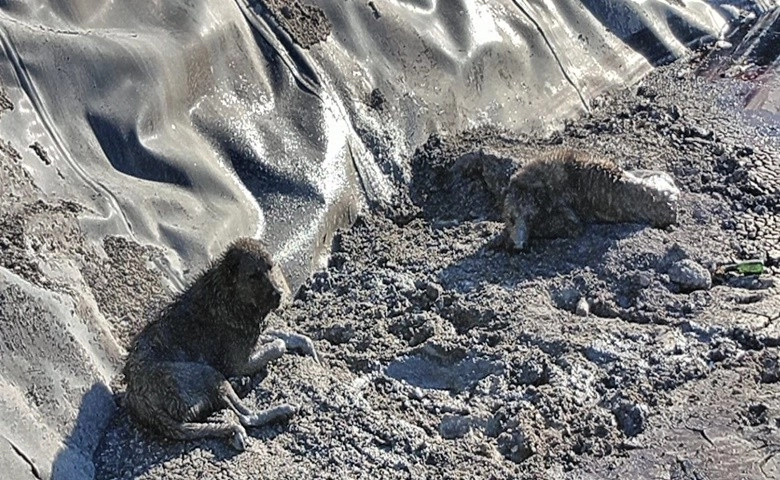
pixel 186 124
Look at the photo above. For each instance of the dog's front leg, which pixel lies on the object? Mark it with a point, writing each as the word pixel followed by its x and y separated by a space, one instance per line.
pixel 267 353
pixel 295 342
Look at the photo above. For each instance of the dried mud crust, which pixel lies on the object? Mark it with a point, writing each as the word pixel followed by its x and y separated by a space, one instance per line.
pixel 31 229
pixel 5 103
pixel 40 240
pixel 127 287
pixel 306 24
pixel 445 358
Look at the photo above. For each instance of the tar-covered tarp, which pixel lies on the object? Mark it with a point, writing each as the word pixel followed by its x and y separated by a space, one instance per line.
pixel 184 124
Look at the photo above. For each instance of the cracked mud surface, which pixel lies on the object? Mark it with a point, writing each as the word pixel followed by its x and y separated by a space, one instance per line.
pixel 445 358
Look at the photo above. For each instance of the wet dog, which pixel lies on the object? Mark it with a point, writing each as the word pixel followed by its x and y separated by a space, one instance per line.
pixel 556 194
pixel 178 367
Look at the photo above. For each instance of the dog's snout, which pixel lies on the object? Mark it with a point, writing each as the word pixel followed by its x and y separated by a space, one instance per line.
pixel 281 292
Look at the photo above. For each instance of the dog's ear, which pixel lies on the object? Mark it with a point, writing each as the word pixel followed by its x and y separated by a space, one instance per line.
pixel 229 266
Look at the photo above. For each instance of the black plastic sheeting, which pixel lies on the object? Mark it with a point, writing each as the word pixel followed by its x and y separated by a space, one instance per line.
pixel 187 123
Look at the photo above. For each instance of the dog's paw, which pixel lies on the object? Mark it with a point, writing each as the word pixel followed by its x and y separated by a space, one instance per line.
pixel 284 412
pixel 297 342
pixel 239 440
pixel 280 413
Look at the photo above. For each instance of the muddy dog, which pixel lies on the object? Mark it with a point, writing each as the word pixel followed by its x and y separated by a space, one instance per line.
pixel 557 193
pixel 177 369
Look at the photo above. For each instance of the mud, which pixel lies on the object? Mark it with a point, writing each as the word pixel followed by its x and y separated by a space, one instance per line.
pixel 306 24
pixel 445 358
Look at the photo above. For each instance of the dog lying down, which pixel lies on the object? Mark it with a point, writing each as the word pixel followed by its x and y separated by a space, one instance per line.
pixel 177 369
pixel 558 193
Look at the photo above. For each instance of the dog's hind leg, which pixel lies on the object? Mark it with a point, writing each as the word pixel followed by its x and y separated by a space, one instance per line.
pixel 209 429
pixel 174 399
pixel 251 418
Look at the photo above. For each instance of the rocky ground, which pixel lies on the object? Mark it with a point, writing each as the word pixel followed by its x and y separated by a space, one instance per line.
pixel 443 357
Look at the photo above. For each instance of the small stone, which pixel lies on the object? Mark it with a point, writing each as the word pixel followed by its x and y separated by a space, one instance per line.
pixel 583 308
pixel 532 372
pixel 644 279
pixel 633 444
pixel 721 352
pixel 339 334
pixel 516 446
pixel 690 276
pixel 404 283
pixel 773 257
pixel 631 417
pixel 566 298
pixel 756 414
pixel 701 132
pixel 417 393
pixel 770 372
pixel 454 426
pixel 722 45
pixel 433 290
pixel 601 353
pixel 674 112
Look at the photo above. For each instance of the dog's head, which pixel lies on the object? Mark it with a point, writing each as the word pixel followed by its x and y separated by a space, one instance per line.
pixel 259 283
pixel 521 207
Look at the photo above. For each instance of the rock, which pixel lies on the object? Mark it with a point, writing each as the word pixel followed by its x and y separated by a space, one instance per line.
pixel 690 276
pixel 631 417
pixel 403 283
pixel 532 372
pixel 756 414
pixel 583 308
pixel 454 426
pixel 566 298
pixel 416 393
pixel 516 446
pixel 339 333
pixel 433 290
pixel 601 353
pixel 770 372
pixel 644 279
pixel 722 45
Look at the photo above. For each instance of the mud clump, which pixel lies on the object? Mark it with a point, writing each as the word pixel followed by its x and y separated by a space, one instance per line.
pixel 516 446
pixel 690 276
pixel 306 24
pixel 631 416
pixel 770 372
